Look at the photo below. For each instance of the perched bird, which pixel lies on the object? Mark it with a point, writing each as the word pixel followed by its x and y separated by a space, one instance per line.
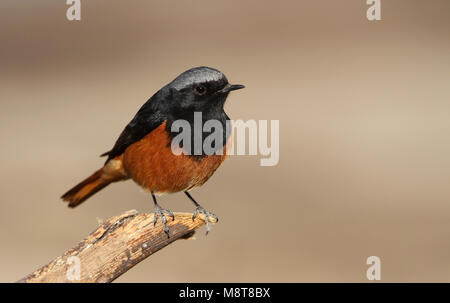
pixel 143 150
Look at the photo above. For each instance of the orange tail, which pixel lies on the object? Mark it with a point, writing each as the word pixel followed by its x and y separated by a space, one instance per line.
pixel 87 188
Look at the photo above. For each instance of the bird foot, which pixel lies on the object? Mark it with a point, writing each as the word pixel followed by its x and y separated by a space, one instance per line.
pixel 162 212
pixel 208 215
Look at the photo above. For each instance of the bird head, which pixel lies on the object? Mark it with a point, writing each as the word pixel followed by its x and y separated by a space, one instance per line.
pixel 200 89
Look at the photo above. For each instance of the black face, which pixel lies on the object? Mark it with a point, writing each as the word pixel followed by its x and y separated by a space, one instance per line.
pixel 201 96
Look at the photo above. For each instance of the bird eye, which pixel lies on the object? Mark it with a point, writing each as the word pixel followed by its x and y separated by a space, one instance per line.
pixel 200 89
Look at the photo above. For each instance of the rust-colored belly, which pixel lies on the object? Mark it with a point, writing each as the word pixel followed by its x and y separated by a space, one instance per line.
pixel 151 163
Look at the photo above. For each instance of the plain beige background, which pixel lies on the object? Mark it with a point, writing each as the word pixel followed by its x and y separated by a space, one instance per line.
pixel 364 110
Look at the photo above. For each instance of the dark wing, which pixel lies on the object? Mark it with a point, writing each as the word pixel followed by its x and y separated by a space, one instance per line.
pixel 147 119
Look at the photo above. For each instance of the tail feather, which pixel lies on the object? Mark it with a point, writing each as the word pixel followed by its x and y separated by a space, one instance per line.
pixel 86 188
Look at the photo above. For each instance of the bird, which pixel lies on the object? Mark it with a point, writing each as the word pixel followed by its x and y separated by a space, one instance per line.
pixel 143 150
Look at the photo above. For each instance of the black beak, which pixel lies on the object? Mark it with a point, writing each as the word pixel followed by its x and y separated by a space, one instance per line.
pixel 229 87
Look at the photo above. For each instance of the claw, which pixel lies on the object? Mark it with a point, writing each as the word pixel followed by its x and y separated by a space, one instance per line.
pixel 171 214
pixel 195 214
pixel 201 210
pixel 207 214
pixel 161 212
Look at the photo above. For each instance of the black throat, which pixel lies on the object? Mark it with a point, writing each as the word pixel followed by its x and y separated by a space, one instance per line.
pixel 209 127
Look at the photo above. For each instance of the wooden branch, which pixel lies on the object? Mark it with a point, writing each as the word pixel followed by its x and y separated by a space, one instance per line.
pixel 115 247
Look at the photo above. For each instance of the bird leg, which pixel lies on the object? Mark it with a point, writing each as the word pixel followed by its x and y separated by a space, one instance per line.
pixel 161 212
pixel 200 210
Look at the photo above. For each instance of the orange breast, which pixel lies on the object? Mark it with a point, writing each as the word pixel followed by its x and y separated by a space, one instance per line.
pixel 151 163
